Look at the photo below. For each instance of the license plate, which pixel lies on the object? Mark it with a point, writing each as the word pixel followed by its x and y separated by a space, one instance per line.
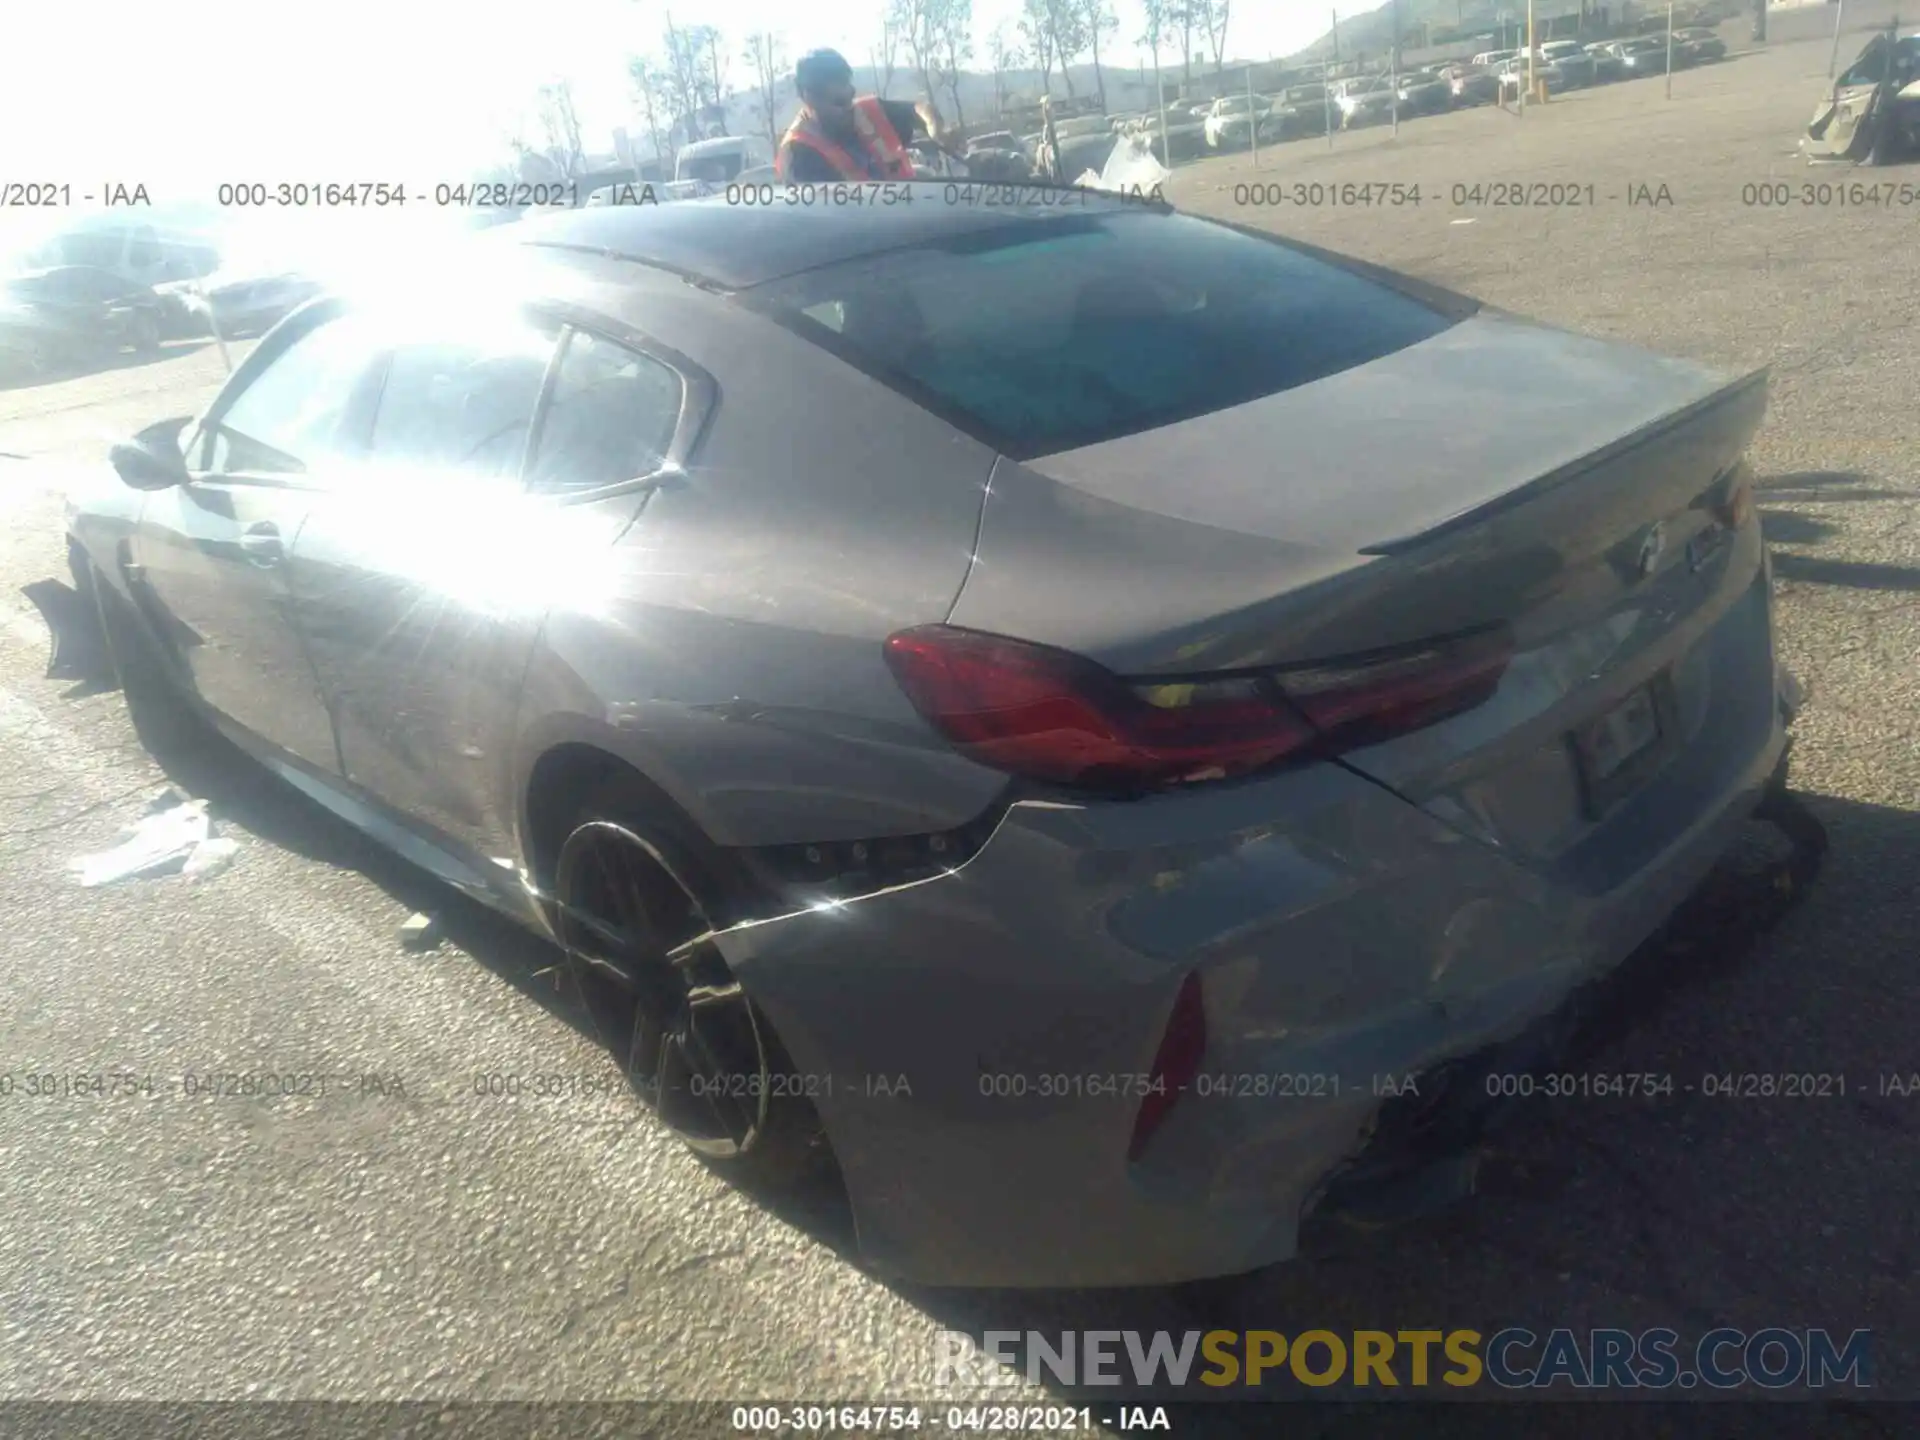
pixel 1610 744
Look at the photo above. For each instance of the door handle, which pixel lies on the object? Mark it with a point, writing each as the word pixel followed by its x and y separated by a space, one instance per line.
pixel 261 544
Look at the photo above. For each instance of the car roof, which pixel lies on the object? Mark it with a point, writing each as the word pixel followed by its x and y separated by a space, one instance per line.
pixel 735 246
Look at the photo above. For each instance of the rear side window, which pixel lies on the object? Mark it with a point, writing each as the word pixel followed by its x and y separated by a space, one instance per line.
pixel 462 406
pixel 1052 336
pixel 611 417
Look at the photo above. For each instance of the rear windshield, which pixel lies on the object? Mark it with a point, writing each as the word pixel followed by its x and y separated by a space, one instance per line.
pixel 1049 336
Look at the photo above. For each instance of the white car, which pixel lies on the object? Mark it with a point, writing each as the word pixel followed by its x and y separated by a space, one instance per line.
pixel 1227 122
pixel 1363 101
pixel 1513 75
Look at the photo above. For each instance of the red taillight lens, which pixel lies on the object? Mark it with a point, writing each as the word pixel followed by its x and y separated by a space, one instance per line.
pixel 1177 1062
pixel 1365 701
pixel 1050 715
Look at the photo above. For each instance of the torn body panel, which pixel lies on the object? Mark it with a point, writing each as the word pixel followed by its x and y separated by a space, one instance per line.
pixel 1340 936
pixel 1873 110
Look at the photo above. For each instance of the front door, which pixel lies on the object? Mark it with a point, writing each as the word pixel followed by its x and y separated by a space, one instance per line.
pixel 418 583
pixel 210 555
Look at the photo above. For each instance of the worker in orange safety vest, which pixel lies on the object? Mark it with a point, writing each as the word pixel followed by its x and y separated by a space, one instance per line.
pixel 838 136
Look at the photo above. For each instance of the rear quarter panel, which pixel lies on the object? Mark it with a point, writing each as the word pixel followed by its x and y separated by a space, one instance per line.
pixel 740 664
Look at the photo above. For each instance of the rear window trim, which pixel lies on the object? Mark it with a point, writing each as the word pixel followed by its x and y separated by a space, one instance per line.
pixel 1449 305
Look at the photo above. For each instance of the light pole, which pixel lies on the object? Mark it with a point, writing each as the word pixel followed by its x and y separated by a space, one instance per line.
pixel 1393 71
pixel 1532 90
pixel 1253 121
pixel 1669 49
pixel 1327 88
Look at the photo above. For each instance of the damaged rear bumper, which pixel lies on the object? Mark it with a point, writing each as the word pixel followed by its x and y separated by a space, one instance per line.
pixel 977 1043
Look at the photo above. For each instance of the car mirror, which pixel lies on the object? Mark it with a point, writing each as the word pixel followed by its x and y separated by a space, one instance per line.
pixel 152 459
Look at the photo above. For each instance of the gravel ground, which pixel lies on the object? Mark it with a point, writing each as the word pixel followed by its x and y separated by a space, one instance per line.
pixel 440 1244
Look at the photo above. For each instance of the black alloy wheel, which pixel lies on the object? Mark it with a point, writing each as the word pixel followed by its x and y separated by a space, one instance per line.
pixel 691 1042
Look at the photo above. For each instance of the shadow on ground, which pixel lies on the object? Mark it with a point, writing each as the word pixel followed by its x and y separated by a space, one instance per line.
pixel 1792 528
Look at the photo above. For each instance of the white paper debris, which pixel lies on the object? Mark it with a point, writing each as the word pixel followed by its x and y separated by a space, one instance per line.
pixel 210 857
pixel 1131 167
pixel 166 840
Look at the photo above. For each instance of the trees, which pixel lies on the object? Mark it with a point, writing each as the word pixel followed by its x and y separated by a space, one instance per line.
pixel 914 19
pixel 1185 14
pixel 768 57
pixel 1067 29
pixel 560 125
pixel 1213 19
pixel 1038 33
pixel 938 35
pixel 889 49
pixel 653 89
pixel 697 76
pixel 955 28
pixel 1098 22
pixel 1003 55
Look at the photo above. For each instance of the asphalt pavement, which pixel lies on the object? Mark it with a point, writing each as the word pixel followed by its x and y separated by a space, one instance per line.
pixel 409 1235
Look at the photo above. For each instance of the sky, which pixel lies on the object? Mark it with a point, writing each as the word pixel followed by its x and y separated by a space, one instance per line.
pixel 198 92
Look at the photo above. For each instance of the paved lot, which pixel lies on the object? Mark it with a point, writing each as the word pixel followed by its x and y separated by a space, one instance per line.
pixel 438 1243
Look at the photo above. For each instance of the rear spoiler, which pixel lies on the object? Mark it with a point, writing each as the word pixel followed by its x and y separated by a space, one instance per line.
pixel 1739 404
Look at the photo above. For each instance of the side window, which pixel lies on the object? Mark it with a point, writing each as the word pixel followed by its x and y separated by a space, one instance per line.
pixel 611 418
pixel 294 414
pixel 94 247
pixel 462 405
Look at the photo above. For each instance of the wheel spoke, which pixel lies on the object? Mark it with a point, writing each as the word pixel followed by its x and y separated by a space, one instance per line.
pixel 686 1040
pixel 692 1044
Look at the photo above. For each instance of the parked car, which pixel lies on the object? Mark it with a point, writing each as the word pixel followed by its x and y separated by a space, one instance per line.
pixel 1570 58
pixel 1229 124
pixel 1363 100
pixel 1299 110
pixel 718 162
pixel 1647 55
pixel 1475 87
pixel 1514 75
pixel 136 251
pixel 73 316
pixel 243 299
pixel 1701 46
pixel 1131 762
pixel 1424 92
pixel 1491 59
pixel 1002 163
pixel 1606 65
pixel 1872 111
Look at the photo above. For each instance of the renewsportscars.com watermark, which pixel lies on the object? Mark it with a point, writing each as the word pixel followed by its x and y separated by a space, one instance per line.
pixel 1514 1358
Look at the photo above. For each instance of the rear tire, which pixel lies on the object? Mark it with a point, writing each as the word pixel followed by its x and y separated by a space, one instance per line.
pixel 637 887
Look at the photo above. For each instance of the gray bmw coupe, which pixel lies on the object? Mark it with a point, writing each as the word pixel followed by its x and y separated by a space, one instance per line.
pixel 1043 699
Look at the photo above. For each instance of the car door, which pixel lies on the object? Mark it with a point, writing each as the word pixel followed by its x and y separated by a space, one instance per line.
pixel 417 591
pixel 210 555
pixel 1843 125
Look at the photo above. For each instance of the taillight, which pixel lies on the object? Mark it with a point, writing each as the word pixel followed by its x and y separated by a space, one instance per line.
pixel 1175 1065
pixel 1051 715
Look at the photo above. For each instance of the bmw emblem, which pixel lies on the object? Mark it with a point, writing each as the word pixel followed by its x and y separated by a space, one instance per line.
pixel 1652 547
